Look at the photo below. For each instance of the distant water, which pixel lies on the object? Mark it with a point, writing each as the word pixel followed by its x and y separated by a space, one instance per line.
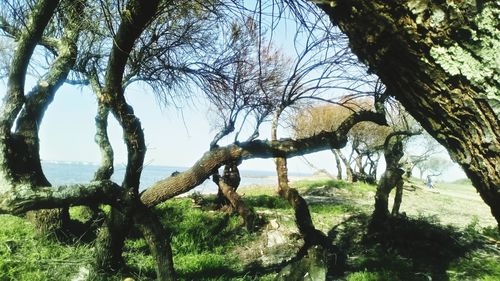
pixel 70 173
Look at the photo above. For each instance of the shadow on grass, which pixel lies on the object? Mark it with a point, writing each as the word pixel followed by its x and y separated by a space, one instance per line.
pixel 407 249
pixel 267 201
pixel 253 271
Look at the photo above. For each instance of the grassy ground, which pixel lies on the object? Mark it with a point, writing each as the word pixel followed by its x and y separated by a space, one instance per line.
pixel 445 235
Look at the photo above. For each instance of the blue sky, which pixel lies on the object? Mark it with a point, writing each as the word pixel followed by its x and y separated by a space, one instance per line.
pixel 174 137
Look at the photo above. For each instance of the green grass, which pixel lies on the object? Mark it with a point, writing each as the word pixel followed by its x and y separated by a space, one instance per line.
pixel 206 244
pixel 24 256
pixel 312 184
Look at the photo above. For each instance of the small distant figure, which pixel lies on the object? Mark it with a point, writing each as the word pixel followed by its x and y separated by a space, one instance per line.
pixel 429 182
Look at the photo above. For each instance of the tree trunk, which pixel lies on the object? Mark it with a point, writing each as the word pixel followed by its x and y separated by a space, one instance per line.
pixel 216 157
pixel 359 164
pixel 232 179
pixel 388 181
pixel 303 219
pixel 158 240
pixel 110 242
pixel 398 198
pixel 228 184
pixel 337 162
pixel 392 177
pixel 112 238
pixel 24 153
pixel 348 169
pixel 439 60
pixel 247 213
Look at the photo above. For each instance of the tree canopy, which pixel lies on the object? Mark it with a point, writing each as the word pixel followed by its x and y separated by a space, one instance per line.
pixel 438 64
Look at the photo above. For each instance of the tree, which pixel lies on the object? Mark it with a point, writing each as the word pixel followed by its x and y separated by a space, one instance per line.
pixel 127 53
pixel 391 178
pixel 433 166
pixel 438 60
pixel 366 139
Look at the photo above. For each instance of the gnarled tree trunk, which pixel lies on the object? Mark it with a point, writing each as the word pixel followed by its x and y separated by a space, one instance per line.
pixel 348 169
pixel 23 157
pixel 439 60
pixel 392 177
pixel 303 219
pixel 228 184
pixel 338 163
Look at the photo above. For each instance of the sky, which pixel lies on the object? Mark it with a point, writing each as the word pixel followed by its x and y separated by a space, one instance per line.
pixel 174 136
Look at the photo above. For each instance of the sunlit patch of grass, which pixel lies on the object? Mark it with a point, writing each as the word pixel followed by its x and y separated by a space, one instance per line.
pixel 475 266
pixel 311 184
pixel 331 209
pixel 362 187
pixel 267 201
pixel 25 256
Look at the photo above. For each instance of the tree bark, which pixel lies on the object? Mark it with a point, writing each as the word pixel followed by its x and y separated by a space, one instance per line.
pixel 158 240
pixel 398 198
pixel 13 101
pixel 348 169
pixel 303 219
pixel 137 15
pixel 339 165
pixel 106 168
pixel 439 60
pixel 23 156
pixel 110 242
pixel 392 177
pixel 215 158
pixel 227 185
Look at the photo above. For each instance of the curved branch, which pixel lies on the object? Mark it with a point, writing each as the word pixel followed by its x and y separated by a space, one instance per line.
pixel 215 158
pixel 28 40
pixel 23 198
pixel 135 18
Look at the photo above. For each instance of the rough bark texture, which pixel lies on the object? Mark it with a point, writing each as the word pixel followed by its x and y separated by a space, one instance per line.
pixel 23 198
pixel 23 158
pixel 439 60
pixel 106 168
pixel 14 98
pixel 135 18
pixel 110 242
pixel 158 241
pixel 28 39
pixel 303 219
pixel 228 184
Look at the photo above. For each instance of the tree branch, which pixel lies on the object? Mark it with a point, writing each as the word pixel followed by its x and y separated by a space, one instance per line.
pixel 215 158
pixel 28 40
pixel 23 198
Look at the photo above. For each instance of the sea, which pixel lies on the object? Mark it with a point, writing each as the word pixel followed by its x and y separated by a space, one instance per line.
pixel 62 173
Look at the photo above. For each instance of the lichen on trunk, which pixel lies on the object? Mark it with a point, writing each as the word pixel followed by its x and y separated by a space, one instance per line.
pixel 439 60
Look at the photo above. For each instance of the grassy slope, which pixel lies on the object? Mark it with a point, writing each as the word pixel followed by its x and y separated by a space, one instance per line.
pixel 210 245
